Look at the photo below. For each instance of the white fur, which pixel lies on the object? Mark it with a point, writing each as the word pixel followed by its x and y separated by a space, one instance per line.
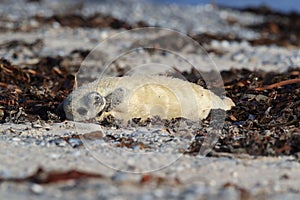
pixel 147 96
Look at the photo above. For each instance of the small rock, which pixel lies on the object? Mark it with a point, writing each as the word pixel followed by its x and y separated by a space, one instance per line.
pixel 225 44
pixel 59 142
pixel 75 142
pixel 37 189
pixel 16 139
pixel 119 176
pixel 37 126
pixel 54 156
pixel 238 56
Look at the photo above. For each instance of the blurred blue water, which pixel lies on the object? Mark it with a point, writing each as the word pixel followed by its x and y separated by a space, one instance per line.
pixel 279 5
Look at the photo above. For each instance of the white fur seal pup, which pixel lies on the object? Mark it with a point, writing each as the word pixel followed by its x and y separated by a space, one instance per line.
pixel 142 97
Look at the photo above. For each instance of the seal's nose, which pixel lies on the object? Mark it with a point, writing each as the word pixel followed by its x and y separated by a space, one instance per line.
pixel 59 111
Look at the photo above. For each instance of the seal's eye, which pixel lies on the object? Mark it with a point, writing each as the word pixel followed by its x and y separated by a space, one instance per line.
pixel 82 111
pixel 95 98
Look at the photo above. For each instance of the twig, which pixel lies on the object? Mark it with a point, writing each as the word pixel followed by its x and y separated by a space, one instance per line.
pixel 279 84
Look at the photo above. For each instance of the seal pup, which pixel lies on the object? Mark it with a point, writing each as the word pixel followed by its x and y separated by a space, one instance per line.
pixel 142 97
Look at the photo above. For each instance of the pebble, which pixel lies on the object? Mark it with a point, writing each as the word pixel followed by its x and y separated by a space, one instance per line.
pixel 119 177
pixel 37 189
pixel 58 142
pixel 239 56
pixel 47 127
pixel 75 142
pixel 130 162
pixel 225 44
pixel 54 156
pixel 37 126
pixel 16 139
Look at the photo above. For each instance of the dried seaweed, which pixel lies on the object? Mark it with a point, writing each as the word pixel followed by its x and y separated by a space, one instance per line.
pixel 44 177
pixel 263 122
pixel 95 21
pixel 35 89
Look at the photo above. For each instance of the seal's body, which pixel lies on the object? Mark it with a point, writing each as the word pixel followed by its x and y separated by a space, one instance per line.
pixel 142 97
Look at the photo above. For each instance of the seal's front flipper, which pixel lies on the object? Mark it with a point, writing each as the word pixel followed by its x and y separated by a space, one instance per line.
pixel 114 99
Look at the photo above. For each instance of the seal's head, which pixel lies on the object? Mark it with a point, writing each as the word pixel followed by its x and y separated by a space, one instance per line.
pixel 83 104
